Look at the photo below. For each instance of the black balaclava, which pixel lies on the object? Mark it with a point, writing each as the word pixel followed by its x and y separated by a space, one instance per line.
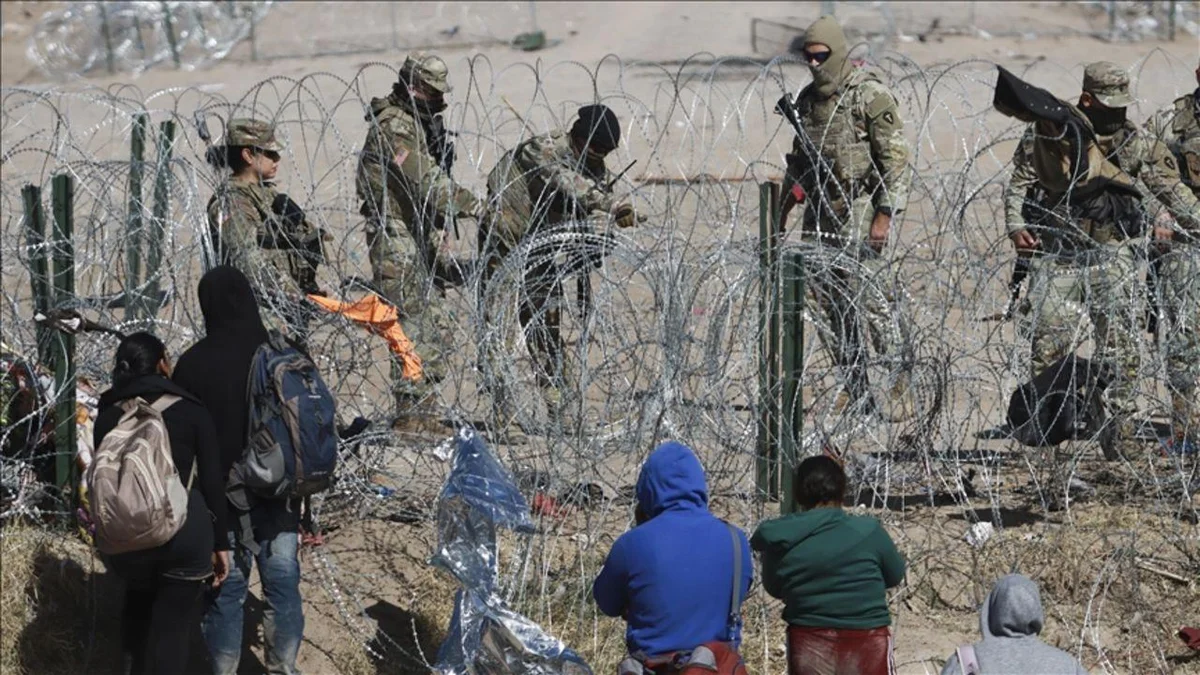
pixel 1106 121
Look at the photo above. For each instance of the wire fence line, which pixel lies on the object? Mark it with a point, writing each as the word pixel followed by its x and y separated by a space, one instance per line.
pixel 672 346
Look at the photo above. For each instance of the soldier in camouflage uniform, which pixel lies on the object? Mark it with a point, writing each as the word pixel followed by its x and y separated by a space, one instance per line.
pixel 547 181
pixel 849 166
pixel 1179 276
pixel 1086 265
pixel 408 199
pixel 260 230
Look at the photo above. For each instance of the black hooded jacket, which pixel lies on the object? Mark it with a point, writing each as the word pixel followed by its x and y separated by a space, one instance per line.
pixel 216 368
pixel 193 440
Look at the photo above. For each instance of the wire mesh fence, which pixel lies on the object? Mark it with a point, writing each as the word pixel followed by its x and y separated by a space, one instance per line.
pixel 670 348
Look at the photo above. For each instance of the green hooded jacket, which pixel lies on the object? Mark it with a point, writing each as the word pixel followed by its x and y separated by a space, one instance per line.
pixel 831 569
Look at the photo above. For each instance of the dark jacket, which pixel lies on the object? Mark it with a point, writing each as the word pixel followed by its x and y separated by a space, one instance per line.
pixel 671 577
pixel 217 368
pixel 831 569
pixel 193 440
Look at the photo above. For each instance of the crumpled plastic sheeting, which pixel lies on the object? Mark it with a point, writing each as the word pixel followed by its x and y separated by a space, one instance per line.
pixel 74 40
pixel 485 636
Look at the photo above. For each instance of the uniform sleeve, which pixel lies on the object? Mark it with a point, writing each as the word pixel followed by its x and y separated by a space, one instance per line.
pixel 610 586
pixel 420 171
pixel 239 230
pixel 1160 174
pixel 580 194
pixel 1022 178
pixel 889 148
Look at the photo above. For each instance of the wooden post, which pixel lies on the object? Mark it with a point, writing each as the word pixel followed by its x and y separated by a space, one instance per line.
pixel 767 464
pixel 62 197
pixel 39 269
pixel 133 219
pixel 160 215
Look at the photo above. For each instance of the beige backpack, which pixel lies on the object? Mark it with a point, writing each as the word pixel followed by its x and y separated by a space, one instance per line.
pixel 137 499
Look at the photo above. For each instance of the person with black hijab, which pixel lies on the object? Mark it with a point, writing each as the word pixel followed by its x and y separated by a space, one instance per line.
pixel 165 585
pixel 216 369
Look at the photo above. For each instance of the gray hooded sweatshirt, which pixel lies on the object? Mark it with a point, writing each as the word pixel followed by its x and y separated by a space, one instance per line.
pixel 1010 620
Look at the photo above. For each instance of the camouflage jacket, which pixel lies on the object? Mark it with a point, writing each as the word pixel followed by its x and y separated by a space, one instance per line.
pixel 1179 128
pixel 399 179
pixel 543 182
pixel 1139 155
pixel 249 236
pixel 853 145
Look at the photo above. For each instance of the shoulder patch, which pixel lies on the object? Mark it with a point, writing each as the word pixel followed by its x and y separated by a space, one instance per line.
pixel 881 102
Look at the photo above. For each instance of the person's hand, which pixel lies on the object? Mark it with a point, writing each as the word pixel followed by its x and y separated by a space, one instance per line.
pixel 220 561
pixel 1024 241
pixel 878 236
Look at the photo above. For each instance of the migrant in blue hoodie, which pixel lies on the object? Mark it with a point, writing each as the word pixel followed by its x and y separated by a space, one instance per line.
pixel 671 577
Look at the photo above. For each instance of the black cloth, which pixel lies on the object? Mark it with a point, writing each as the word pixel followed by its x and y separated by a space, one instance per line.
pixel 156 625
pixel 1060 403
pixel 217 368
pixel 598 125
pixel 1017 98
pixel 193 439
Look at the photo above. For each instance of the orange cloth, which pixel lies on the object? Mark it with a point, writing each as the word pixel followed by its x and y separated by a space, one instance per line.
pixel 381 319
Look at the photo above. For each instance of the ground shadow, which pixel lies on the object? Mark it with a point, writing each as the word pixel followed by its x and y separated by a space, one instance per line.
pixel 401 638
pixel 76 624
pixel 1001 517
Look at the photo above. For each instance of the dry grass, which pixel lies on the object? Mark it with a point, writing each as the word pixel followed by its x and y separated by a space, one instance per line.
pixel 58 610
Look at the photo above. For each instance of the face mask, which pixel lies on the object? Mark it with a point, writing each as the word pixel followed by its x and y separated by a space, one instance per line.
pixel 1106 121
pixel 829 76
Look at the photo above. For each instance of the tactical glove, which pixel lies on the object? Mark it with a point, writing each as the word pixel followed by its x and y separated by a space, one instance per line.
pixel 626 216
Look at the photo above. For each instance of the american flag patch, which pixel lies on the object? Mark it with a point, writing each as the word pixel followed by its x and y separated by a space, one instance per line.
pixel 401 156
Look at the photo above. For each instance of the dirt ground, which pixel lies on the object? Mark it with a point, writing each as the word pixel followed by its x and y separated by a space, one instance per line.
pixel 369 588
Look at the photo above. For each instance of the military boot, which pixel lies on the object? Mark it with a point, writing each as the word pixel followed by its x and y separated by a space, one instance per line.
pixel 414 416
pixel 1118 440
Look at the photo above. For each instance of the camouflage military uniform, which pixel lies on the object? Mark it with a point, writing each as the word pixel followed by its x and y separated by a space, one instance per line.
pixel 408 197
pixel 1179 275
pixel 540 184
pixel 851 162
pixel 1089 269
pixel 273 252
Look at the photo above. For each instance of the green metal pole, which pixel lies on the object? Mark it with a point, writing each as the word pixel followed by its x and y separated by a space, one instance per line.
pixel 133 219
pixel 768 312
pixel 39 268
pixel 62 197
pixel 172 40
pixel 161 212
pixel 106 30
pixel 793 362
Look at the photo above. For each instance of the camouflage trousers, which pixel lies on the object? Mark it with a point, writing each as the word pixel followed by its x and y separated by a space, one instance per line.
pixel 1179 335
pixel 852 291
pixel 539 312
pixel 1105 288
pixel 406 282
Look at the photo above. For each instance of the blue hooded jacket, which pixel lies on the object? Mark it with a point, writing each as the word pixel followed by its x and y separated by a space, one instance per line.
pixel 671 577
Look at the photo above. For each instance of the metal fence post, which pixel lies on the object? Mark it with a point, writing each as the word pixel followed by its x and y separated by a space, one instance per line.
pixel 792 354
pixel 62 197
pixel 106 31
pixel 133 219
pixel 160 215
pixel 767 463
pixel 172 40
pixel 39 268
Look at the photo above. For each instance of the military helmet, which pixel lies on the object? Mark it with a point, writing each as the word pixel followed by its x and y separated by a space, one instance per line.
pixel 1108 83
pixel 427 68
pixel 247 132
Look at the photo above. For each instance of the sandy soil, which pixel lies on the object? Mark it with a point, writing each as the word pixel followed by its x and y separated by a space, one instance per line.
pixel 722 126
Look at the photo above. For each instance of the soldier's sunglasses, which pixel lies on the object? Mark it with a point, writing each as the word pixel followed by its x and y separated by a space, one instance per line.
pixel 269 154
pixel 817 57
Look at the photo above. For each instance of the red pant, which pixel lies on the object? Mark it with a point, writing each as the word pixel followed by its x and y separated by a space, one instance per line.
pixel 839 651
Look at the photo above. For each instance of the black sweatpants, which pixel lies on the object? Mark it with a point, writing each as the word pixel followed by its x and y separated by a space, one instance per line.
pixel 157 624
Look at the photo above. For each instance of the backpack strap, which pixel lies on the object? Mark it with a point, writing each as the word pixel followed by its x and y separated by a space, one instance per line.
pixel 735 596
pixel 968 661
pixel 165 401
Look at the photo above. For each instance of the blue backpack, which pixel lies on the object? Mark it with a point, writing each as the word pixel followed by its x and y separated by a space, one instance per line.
pixel 291 444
